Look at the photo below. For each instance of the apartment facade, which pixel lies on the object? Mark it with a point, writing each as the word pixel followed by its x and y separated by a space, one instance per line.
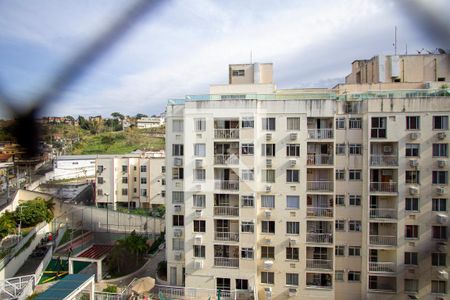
pixel 284 194
pixel 130 181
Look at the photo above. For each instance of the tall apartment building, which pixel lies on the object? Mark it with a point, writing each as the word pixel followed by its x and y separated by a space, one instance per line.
pixel 286 194
pixel 131 180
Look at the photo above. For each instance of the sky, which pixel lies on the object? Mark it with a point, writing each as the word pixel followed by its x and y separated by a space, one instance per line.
pixel 182 47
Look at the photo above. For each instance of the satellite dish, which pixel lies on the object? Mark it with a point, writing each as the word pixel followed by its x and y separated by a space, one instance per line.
pixel 441 51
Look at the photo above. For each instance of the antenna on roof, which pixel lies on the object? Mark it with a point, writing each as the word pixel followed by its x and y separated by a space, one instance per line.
pixel 395 41
pixel 251 56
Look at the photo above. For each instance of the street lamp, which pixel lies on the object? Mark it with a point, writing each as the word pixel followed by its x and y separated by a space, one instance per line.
pixel 107 212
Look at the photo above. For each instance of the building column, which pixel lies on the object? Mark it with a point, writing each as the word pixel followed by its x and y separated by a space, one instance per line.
pixel 70 266
pixel 99 270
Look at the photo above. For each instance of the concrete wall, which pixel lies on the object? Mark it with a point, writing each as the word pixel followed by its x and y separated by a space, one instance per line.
pixel 24 195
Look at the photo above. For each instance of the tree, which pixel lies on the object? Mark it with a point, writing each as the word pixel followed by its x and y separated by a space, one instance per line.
pixel 34 211
pixel 140 116
pixel 117 115
pixel 7 224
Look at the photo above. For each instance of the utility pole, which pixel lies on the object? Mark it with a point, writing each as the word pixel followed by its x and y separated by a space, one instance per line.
pixel 107 212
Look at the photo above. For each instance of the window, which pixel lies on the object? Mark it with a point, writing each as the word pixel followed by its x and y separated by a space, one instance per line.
pixel 439 204
pixel 340 123
pixel 199 251
pixel 143 180
pixel 268 201
pixel 411 231
pixel 124 192
pixel 439 232
pixel 100 180
pixel 411 285
pixel 125 180
pixel 178 220
pixel 378 127
pixel 412 177
pixel 339 275
pixel 144 192
pixel 143 169
pixel 177 126
pixel 199 201
pixel 239 73
pixel 177 149
pixel 163 169
pixel 354 123
pixel 293 123
pixel 440 122
pixel 267 277
pixel 293 150
pixel 199 226
pixel 247 253
pixel 412 204
pixel 177 244
pixel 411 258
pixel 163 181
pixel 413 123
pixel 292 253
pixel 340 200
pixel 440 177
pixel 248 201
pixel 354 276
pixel 267 252
pixel 292 176
pixel 177 197
pixel 354 225
pixel 124 168
pixel 354 200
pixel 292 279
pixel 100 169
pixel 268 150
pixel 199 174
pixel 439 286
pixel 440 150
pixel 242 284
pixel 438 259
pixel 248 122
pixel 200 150
pixel 340 149
pixel 200 124
pixel 268 124
pixel 248 227
pixel 339 250
pixel 163 193
pixel 293 227
pixel 340 174
pixel 268 226
pixel 354 251
pixel 248 175
pixel 355 149
pixel 412 150
pixel 354 175
pixel 268 176
pixel 292 202
pixel 339 225
pixel 99 192
pixel 247 149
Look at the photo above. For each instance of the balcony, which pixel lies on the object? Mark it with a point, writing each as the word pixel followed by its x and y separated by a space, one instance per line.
pixel 319 238
pixel 319 264
pixel 384 160
pixel 228 262
pixel 226 159
pixel 383 187
pixel 324 212
pixel 319 134
pixel 227 185
pixel 319 280
pixel 382 284
pixel 320 186
pixel 228 211
pixel 385 267
pixel 383 213
pixel 226 236
pixel 319 159
pixel 383 240
pixel 226 134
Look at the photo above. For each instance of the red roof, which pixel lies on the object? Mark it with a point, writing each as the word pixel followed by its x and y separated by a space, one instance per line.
pixel 95 251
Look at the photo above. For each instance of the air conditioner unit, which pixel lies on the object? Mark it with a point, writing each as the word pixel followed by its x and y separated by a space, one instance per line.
pixel 198 264
pixel 442 219
pixel 198 213
pixel 268 188
pixel 293 136
pixel 442 163
pixel 414 135
pixel 268 264
pixel 177 208
pixel 198 187
pixel 387 149
pixel 413 190
pixel 442 274
pixel 292 292
pixel 442 247
pixel 177 232
pixel 268 163
pixel 178 256
pixel 442 135
pixel 178 161
pixel 268 136
pixel 199 163
pixel 268 213
pixel 268 292
pixel 292 241
pixel 267 240
pixel 440 190
pixel 198 239
pixel 292 162
pixel 413 163
pixel 411 270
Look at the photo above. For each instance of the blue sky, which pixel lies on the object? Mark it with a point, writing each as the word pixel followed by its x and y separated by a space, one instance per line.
pixel 186 45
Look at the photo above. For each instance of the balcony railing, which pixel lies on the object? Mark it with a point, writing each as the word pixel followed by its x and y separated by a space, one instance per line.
pixel 320 186
pixel 226 211
pixel 178 292
pixel 387 267
pixel 228 185
pixel 383 240
pixel 319 159
pixel 383 160
pixel 228 262
pixel 383 213
pixel 318 134
pixel 319 212
pixel 226 159
pixel 384 187
pixel 226 236
pixel 319 264
pixel 226 133
pixel 326 238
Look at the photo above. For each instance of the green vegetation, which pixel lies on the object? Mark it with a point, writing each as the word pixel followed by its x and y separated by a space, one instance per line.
pixel 155 246
pixel 157 212
pixel 110 289
pixel 7 224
